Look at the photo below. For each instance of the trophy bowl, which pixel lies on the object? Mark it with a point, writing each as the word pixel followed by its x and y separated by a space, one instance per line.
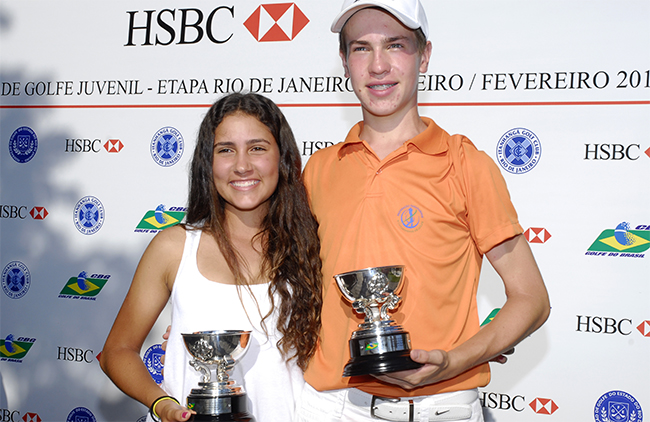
pixel 379 345
pixel 219 398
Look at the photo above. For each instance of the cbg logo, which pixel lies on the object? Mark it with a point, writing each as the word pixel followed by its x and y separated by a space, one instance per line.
pixel 15 350
pixel 83 287
pixel 276 22
pixel 159 219
pixel 622 242
pixel 518 151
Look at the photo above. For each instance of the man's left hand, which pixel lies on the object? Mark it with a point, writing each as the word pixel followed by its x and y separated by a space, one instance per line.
pixel 435 369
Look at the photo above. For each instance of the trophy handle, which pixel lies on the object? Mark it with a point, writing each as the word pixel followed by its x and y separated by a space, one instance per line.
pixel 202 368
pixel 390 303
pixel 224 367
pixel 367 307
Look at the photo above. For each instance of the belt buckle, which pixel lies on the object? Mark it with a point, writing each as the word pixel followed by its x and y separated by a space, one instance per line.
pixel 374 399
pixel 392 400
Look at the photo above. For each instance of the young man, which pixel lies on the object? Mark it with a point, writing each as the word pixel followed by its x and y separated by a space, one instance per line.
pixel 401 191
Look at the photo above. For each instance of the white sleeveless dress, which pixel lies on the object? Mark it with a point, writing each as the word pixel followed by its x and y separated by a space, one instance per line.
pixel 198 304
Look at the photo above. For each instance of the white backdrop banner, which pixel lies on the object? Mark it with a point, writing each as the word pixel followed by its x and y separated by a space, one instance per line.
pixel 100 106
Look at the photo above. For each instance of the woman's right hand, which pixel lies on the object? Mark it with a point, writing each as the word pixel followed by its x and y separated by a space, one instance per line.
pixel 164 343
pixel 170 411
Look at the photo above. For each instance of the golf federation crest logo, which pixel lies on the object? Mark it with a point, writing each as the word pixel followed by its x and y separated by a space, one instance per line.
pixel 167 146
pixel 23 144
pixel 411 218
pixel 84 287
pixel 518 151
pixel 81 414
pixel 276 22
pixel 153 361
pixel 15 279
pixel 617 406
pixel 88 215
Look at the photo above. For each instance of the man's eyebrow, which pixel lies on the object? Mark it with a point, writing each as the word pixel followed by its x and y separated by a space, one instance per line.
pixel 386 40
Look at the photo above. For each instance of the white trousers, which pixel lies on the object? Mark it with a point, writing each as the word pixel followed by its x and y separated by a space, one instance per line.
pixel 353 405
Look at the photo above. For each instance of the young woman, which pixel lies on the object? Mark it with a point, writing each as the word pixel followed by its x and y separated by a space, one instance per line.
pixel 246 258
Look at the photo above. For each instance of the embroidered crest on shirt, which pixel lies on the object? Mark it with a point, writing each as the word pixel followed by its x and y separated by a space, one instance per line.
pixel 411 218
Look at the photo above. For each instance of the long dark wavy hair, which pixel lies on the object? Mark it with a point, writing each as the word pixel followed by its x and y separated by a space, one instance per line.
pixel 289 232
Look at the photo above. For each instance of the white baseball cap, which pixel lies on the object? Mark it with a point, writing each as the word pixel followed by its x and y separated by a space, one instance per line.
pixel 409 12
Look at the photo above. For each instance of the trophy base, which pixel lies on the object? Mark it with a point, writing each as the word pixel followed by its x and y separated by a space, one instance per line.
pixel 230 417
pixel 219 408
pixel 380 364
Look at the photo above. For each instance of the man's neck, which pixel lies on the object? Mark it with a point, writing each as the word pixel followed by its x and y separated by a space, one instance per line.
pixel 385 134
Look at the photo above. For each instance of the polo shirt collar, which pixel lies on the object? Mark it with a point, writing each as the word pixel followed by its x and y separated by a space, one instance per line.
pixel 432 141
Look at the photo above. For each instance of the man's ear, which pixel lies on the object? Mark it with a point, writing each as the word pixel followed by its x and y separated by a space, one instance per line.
pixel 344 61
pixel 426 56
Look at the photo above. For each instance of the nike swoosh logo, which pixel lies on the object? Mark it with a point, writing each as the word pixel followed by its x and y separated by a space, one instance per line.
pixel 439 412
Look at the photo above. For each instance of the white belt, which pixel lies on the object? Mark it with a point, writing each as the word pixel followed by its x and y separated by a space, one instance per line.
pixel 441 407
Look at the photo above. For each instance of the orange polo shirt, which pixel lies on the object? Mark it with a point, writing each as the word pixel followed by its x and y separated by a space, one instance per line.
pixel 435 205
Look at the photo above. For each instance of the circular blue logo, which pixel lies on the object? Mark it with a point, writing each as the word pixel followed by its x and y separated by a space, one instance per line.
pixel 411 218
pixel 81 414
pixel 617 406
pixel 88 215
pixel 23 144
pixel 153 361
pixel 15 279
pixel 519 151
pixel 167 146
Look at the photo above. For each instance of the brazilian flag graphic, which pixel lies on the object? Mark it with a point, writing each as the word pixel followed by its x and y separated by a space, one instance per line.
pixel 622 239
pixel 83 286
pixel 160 219
pixel 14 349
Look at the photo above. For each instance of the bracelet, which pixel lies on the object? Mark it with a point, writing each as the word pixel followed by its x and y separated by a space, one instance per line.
pixel 152 409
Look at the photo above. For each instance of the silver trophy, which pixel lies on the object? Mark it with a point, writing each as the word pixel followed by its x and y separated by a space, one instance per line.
pixel 218 398
pixel 380 345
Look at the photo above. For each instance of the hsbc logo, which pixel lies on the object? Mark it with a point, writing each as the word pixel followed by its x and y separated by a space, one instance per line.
pixel 607 325
pixel 537 235
pixel 276 22
pixel 31 417
pixel 94 146
pixel 20 212
pixel 38 213
pixel 113 145
pixel 644 328
pixel 543 406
